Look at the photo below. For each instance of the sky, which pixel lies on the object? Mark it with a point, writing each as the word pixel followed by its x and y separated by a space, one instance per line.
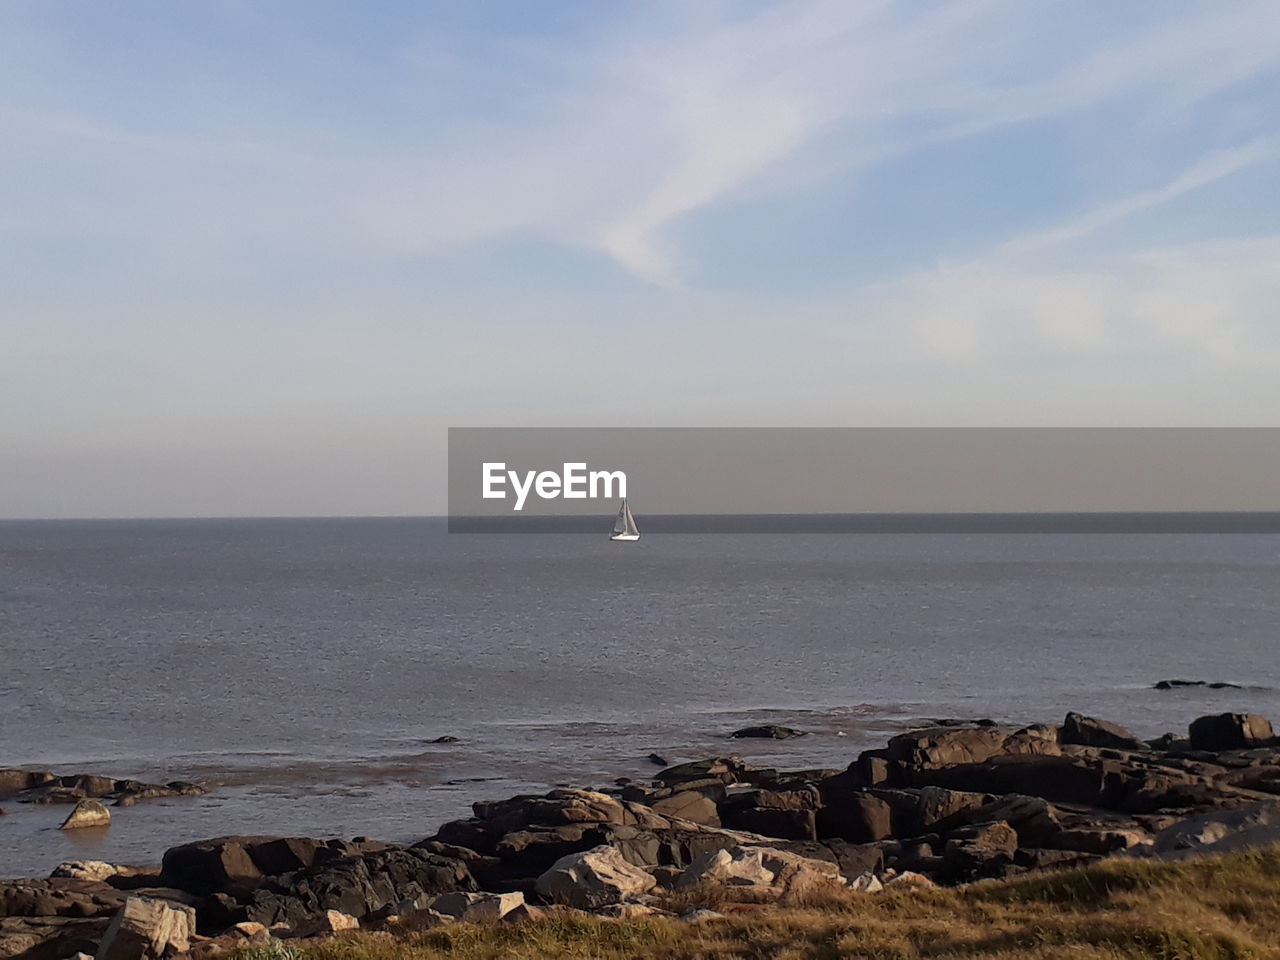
pixel 257 256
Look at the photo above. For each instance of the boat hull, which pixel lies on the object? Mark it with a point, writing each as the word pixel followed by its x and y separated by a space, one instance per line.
pixel 625 536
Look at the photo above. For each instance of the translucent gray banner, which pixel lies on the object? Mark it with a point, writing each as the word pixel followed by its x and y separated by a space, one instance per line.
pixel 865 480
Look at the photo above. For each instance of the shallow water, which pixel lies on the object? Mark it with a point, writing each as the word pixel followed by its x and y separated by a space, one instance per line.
pixel 303 666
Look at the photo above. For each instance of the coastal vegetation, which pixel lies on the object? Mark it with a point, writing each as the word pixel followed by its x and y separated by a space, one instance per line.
pixel 1211 907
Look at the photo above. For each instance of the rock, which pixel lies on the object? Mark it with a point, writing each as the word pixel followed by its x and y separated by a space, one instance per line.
pixel 981 850
pixel 752 866
pixel 1091 732
pixel 728 769
pixel 248 932
pixel 768 731
pixel 444 739
pixel 629 911
pixel 525 912
pixel 1101 840
pixel 476 907
pixel 658 760
pixel 949 746
pixel 46 938
pixel 87 813
pixel 15 781
pixel 85 870
pixel 206 866
pixel 690 805
pixel 1176 684
pixel 908 880
pixel 361 884
pixel 701 916
pixel 1257 822
pixel 1230 731
pixel 145 929
pixel 593 879
pixel 850 859
pixel 866 883
pixel 1033 818
pixel 854 815
pixel 326 924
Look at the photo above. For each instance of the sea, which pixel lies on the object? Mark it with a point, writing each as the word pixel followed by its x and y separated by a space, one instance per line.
pixel 303 669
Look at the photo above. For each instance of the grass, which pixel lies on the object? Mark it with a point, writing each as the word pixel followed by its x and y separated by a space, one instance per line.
pixel 1212 908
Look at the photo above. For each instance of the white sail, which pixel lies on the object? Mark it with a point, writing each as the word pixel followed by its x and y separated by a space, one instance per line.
pixel 624 525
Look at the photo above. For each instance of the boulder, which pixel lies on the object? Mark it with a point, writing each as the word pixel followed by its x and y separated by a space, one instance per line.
pixel 592 879
pixel 1246 825
pixel 87 813
pixel 85 870
pixel 690 805
pixel 949 746
pixel 1230 731
pixel 768 731
pixel 326 924
pixel 752 866
pixel 1034 819
pixel 727 769
pixel 476 907
pixel 360 884
pixel 1177 684
pixel 15 781
pixel 909 880
pixel 866 883
pixel 145 929
pixel 1091 732
pixel 49 938
pixel 206 866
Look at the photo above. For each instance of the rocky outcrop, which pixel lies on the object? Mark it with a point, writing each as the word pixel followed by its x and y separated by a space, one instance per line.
pixel 753 866
pixel 947 804
pixel 593 878
pixel 28 786
pixel 1231 731
pixel 1091 732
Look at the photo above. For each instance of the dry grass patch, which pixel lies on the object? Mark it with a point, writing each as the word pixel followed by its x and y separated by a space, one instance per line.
pixel 1222 908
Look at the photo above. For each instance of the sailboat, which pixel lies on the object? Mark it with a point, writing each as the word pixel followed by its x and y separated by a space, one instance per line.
pixel 624 527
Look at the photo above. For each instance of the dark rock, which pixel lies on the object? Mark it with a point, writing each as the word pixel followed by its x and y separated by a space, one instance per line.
pixel 59 897
pixel 852 859
pixel 981 850
pixel 950 746
pixel 1175 684
pixel 1230 731
pixel 50 938
pixel 444 739
pixel 1034 819
pixel 854 816
pixel 658 760
pixel 728 769
pixel 15 781
pixel 768 731
pixel 1091 732
pixel 692 805
pixel 207 866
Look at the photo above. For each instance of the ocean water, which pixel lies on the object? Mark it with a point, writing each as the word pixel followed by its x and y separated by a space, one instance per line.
pixel 302 668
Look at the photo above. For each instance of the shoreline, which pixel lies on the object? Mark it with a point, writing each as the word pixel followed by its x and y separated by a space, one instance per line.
pixel 951 804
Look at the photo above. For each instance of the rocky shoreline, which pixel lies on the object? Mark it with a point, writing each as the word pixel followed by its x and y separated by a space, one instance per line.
pixel 949 804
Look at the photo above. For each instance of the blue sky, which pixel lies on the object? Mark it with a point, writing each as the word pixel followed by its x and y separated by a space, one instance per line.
pixel 255 257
